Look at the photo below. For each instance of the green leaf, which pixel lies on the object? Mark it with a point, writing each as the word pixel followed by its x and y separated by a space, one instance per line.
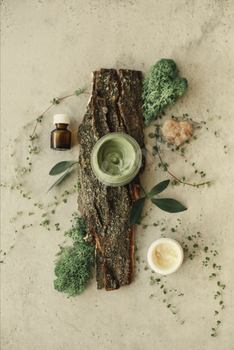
pixel 136 211
pixel 78 92
pixel 168 204
pixel 158 188
pixel 55 101
pixel 61 166
pixel 59 180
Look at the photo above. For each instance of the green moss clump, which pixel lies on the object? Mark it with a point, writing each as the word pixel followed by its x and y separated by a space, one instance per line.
pixel 73 268
pixel 161 88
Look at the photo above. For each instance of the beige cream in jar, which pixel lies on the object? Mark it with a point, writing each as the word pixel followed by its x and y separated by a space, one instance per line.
pixel 165 256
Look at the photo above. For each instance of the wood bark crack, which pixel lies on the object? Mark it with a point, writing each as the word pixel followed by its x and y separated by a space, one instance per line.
pixel 115 106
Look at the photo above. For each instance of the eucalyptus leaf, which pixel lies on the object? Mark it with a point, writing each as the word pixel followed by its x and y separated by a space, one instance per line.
pixel 59 180
pixel 158 188
pixel 136 211
pixel 61 166
pixel 168 204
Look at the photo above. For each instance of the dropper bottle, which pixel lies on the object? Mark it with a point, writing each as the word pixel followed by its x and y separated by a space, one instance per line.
pixel 60 139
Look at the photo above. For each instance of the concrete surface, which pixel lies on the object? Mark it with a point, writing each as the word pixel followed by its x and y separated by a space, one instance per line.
pixel 49 49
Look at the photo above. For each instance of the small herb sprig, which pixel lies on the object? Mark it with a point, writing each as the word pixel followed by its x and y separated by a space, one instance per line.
pixel 164 166
pixel 15 182
pixel 167 204
pixel 54 101
pixel 207 262
pixel 161 283
pixel 166 293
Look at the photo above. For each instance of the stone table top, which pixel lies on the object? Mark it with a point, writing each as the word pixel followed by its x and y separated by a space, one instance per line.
pixel 49 49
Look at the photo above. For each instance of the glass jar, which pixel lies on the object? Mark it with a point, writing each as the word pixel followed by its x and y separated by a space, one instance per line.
pixel 116 159
pixel 60 139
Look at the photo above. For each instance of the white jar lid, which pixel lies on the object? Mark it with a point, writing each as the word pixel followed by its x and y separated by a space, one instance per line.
pixel 61 119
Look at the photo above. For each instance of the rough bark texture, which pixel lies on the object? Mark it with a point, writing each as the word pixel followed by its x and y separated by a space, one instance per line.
pixel 115 106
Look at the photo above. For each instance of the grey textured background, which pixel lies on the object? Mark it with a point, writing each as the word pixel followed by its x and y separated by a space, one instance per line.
pixel 49 49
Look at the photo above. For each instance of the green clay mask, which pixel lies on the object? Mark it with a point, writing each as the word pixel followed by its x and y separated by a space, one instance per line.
pixel 116 159
pixel 116 156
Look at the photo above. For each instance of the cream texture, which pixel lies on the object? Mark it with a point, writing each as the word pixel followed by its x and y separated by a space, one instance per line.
pixel 48 49
pixel 165 256
pixel 116 159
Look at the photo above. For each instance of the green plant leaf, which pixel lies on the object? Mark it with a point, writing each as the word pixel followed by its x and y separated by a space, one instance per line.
pixel 136 211
pixel 59 180
pixel 61 166
pixel 78 92
pixel 168 204
pixel 158 188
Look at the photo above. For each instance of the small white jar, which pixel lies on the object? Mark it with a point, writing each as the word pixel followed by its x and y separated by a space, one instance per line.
pixel 165 256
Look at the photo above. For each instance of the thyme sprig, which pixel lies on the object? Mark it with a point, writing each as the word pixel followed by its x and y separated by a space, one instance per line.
pixel 165 168
pixel 55 101
pixel 178 150
pixel 15 183
pixel 207 261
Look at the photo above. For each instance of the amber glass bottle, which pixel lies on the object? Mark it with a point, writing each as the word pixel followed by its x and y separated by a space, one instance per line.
pixel 60 139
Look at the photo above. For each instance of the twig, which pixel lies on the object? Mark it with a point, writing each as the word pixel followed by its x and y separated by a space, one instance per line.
pixel 59 99
pixel 215 276
pixel 182 182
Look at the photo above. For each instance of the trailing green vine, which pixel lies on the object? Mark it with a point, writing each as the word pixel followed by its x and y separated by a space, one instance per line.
pixel 166 295
pixel 163 294
pixel 68 260
pixel 38 209
pixel 191 246
pixel 207 261
pixel 158 136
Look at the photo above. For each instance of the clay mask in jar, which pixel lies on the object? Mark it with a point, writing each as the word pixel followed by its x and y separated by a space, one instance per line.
pixel 116 159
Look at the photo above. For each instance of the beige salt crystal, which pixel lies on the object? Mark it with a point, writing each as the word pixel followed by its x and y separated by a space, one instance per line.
pixel 177 132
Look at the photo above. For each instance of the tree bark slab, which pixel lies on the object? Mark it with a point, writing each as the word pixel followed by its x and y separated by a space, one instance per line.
pixel 115 106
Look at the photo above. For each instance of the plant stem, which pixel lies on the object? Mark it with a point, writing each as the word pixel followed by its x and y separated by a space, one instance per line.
pixel 215 277
pixel 62 98
pixel 59 99
pixel 70 192
pixel 143 189
pixel 182 182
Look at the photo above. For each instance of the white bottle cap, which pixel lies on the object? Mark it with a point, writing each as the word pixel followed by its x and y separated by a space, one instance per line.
pixel 61 119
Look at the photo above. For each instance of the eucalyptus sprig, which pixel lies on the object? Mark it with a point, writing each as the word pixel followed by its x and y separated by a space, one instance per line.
pixel 167 204
pixel 60 168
